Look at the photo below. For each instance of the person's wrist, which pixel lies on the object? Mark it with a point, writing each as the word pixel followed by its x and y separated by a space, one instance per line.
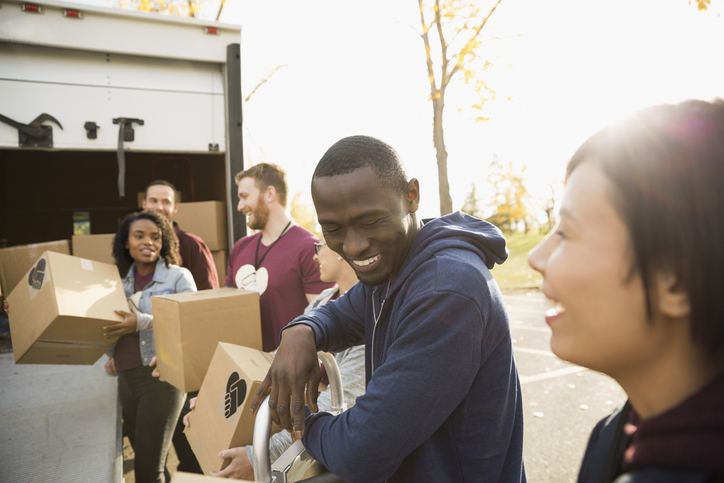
pixel 300 330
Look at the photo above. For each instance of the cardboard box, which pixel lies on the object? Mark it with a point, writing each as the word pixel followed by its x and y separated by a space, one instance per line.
pixel 16 261
pixel 187 327
pixel 181 477
pixel 94 247
pixel 221 258
pixel 58 312
pixel 222 417
pixel 206 219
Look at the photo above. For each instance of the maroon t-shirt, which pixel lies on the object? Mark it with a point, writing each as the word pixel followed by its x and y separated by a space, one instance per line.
pixel 197 258
pixel 286 274
pixel 128 349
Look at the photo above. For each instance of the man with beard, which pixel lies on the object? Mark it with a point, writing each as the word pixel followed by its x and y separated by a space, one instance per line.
pixel 443 399
pixel 278 261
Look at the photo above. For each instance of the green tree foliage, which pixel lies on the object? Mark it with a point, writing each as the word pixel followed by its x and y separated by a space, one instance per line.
pixel 303 213
pixel 510 196
pixel 471 206
pixel 453 33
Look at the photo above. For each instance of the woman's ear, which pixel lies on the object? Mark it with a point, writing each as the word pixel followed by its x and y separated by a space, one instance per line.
pixel 673 300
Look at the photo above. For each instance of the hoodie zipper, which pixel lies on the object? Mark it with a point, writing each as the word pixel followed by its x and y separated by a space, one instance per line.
pixel 374 329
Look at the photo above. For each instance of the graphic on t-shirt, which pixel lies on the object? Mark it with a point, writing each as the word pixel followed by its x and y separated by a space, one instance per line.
pixel 36 277
pixel 235 394
pixel 252 280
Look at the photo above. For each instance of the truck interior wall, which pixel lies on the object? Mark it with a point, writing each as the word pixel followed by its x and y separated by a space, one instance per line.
pixel 41 190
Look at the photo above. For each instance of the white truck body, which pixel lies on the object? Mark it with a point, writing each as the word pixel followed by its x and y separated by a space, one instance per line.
pixel 174 74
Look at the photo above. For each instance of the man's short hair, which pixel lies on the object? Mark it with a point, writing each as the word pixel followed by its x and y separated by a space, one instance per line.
pixel 161 182
pixel 666 164
pixel 265 175
pixel 355 152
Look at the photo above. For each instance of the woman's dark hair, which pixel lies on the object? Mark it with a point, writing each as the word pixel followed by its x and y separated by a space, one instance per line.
pixel 169 242
pixel 666 164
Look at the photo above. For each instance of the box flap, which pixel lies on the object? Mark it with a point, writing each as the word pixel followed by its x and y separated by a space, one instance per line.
pixel 203 295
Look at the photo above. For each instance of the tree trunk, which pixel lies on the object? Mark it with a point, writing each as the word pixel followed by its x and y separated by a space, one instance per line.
pixel 441 153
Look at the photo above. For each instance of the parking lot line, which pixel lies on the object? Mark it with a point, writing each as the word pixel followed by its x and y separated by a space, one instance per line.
pixel 551 374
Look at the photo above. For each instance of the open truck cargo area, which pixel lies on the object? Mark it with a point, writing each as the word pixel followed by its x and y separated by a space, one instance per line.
pixel 95 103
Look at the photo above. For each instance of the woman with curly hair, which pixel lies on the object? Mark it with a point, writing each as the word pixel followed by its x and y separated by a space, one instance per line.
pixel 146 253
pixel 634 273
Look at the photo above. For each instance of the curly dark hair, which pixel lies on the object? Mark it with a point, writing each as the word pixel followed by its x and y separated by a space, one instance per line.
pixel 169 242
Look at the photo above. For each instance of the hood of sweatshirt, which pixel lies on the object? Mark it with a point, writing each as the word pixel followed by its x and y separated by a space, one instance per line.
pixel 456 230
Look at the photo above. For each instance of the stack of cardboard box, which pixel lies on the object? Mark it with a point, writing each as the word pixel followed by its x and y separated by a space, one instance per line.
pixel 207 220
pixel 16 261
pixel 94 247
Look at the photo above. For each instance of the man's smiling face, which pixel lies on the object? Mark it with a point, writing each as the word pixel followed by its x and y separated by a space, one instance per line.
pixel 370 225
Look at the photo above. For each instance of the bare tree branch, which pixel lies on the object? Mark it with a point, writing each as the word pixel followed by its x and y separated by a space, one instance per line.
pixel 444 78
pixel 428 52
pixel 221 7
pixel 264 81
pixel 474 38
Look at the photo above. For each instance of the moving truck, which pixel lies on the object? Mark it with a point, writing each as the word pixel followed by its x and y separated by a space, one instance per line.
pixel 97 102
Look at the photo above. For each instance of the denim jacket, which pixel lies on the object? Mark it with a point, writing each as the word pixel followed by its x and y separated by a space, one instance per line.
pixel 173 279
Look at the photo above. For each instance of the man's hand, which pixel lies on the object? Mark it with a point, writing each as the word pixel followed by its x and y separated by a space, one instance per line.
pixel 294 367
pixel 128 326
pixel 240 468
pixel 111 367
pixel 187 418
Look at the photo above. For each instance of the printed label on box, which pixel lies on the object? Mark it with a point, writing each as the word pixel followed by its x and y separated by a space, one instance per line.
pixel 38 278
pixel 86 264
pixel 235 394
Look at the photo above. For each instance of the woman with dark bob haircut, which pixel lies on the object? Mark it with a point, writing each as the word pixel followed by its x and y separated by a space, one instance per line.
pixel 146 253
pixel 634 271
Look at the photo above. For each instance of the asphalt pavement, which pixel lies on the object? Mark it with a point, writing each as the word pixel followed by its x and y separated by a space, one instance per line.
pixel 561 402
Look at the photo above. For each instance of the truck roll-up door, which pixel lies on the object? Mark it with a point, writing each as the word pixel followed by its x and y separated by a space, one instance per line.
pixel 181 102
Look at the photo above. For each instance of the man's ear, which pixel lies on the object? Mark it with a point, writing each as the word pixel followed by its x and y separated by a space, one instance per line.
pixel 673 300
pixel 270 194
pixel 175 208
pixel 413 195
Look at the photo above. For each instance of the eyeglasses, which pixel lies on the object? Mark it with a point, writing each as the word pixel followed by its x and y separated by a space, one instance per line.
pixel 317 247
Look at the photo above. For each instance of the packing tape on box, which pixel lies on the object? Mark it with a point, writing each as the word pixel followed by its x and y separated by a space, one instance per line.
pixel 70 344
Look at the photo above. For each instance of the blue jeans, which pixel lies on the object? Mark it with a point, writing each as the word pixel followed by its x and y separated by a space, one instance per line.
pixel 150 410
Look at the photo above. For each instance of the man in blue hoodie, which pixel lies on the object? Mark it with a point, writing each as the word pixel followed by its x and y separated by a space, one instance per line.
pixel 443 400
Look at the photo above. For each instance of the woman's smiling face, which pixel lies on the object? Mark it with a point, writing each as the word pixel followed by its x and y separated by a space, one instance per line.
pixel 599 319
pixel 144 242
